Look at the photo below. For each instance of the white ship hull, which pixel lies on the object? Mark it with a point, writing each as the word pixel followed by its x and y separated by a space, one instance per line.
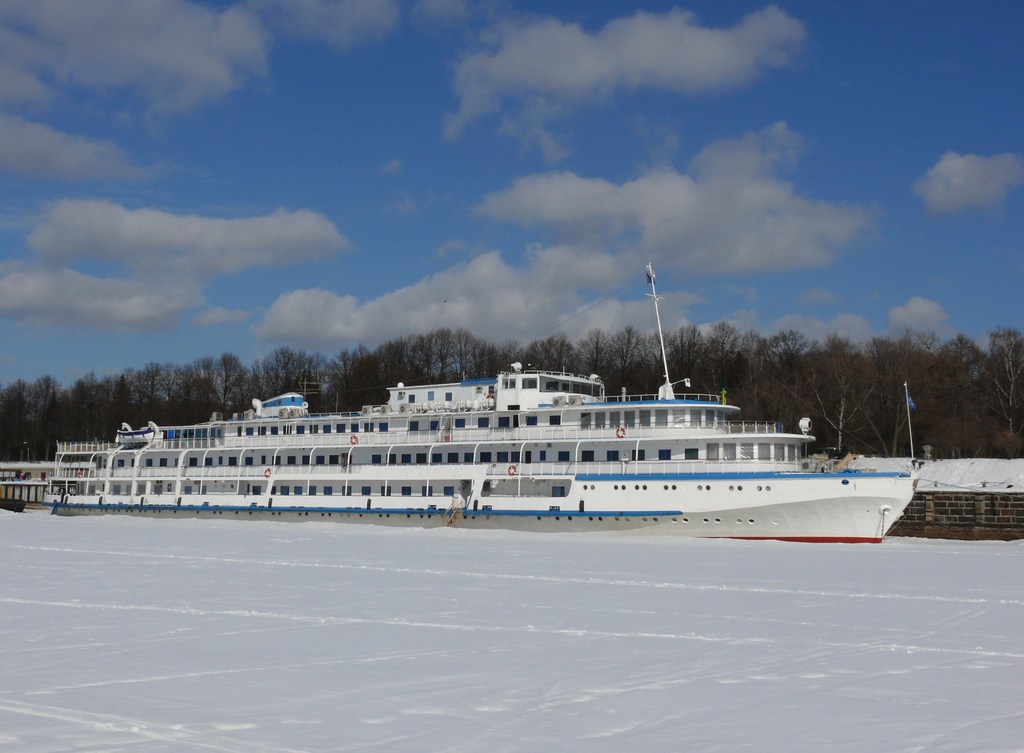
pixel 832 507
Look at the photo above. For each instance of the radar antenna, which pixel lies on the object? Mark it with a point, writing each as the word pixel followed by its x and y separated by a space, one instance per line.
pixel 665 392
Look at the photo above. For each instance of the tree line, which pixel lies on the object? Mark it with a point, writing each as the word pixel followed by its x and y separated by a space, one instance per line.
pixel 969 400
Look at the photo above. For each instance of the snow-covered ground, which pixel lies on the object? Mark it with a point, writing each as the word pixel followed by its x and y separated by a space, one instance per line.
pixel 969 474
pixel 123 634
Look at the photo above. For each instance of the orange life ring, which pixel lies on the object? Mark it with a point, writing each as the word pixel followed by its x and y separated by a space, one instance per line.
pixel 512 470
pixel 353 439
pixel 620 432
pixel 266 473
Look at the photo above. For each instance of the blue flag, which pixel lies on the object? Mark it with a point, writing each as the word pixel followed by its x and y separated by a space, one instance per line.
pixel 910 403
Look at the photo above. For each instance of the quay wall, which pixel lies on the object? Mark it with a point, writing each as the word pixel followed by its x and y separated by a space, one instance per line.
pixel 968 515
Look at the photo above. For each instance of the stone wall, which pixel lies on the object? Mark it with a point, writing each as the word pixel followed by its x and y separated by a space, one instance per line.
pixel 963 515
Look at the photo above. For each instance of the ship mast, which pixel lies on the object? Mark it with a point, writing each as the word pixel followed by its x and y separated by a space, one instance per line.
pixel 665 391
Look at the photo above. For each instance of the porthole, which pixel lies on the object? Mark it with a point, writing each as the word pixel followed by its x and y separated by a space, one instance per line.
pixel 732 488
pixel 759 488
pixel 686 520
pixel 718 520
pixel 636 487
pixel 751 521
pixel 666 487
pixel 706 520
pixel 645 487
pixel 846 481
pixel 700 488
pixel 767 488
pixel 739 488
pixel 673 487
pixel 616 487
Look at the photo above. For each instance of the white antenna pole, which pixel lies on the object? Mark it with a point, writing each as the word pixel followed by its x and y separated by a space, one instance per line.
pixel 910 429
pixel 665 393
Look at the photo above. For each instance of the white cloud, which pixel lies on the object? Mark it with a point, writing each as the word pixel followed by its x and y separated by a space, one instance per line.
pixel 37 150
pixel 547 62
pixel 174 53
pixel 220 315
pixel 441 13
pixel 486 295
pixel 392 167
pixel 20 86
pixel 156 242
pixel 817 295
pixel 65 298
pixel 729 214
pixel 340 23
pixel 960 182
pixel 917 315
pixel 851 326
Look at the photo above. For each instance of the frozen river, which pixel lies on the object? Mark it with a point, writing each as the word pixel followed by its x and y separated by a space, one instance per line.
pixel 181 635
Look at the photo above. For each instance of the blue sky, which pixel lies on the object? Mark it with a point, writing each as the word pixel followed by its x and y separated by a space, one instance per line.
pixel 180 179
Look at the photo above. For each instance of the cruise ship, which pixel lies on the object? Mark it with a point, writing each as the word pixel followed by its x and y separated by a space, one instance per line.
pixel 528 449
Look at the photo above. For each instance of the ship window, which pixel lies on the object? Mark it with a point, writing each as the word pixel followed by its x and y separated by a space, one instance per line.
pixel 300 429
pixel 435 457
pixel 764 451
pixel 414 426
pixel 645 418
pixel 248 431
pixel 232 461
pixel 709 417
pixel 430 395
pixel 503 422
pixel 283 491
pixel 273 431
pixel 588 456
pixel 529 383
pixel 554 420
pixel 333 459
pixel 340 428
pixel 412 398
pixel 747 451
pixel 406 457
pixel 366 490
pixel 120 462
pixel 502 457
pixel 613 455
pixel 208 462
pixel 328 491
pixel 305 459
pixel 327 428
pixel 453 457
pixel 467 457
pixel 543 455
pixel 483 422
pixel 629 419
pixel 319 460
pixel 367 426
pixel 712 451
pixel 729 451
pixel 149 462
pixel 448 397
pixel 433 425
pixel 638 454
pixel 290 460
pixel 550 385
pixel 584 420
pixel 163 462
pixel 449 491
pixel 691 453
pixel 312 490
pixel 515 456
pixel 406 491
pixel 563 455
pixel 614 418
pixel 557 491
pixel 599 420
pixel 421 457
pixel 355 427
pixel 779 451
pixel 485 457
pixel 460 423
pixel 531 420
pixel 298 490
pixel 376 459
pixel 383 426
pixel 117 488
pixel 664 454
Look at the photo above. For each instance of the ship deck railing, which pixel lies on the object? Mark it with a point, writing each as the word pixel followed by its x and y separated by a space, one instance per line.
pixel 459 435
pixel 695 397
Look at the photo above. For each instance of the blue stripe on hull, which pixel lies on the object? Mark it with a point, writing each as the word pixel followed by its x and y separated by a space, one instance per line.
pixel 360 511
pixel 729 476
